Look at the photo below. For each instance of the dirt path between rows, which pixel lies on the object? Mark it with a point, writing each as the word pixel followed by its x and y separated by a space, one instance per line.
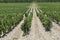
pixel 37 31
pixel 16 32
pixel 14 35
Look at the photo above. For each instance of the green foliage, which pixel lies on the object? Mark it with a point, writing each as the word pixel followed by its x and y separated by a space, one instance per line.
pixel 29 1
pixel 45 21
pixel 27 24
pixel 27 14
pixel 52 10
pixel 11 14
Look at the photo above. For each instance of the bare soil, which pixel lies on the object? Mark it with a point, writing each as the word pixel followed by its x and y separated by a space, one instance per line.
pixel 37 31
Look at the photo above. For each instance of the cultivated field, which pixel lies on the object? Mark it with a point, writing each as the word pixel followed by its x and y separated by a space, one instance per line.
pixel 10 15
pixel 30 21
pixel 51 11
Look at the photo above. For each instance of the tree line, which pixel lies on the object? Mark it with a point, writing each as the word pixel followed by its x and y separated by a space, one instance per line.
pixel 29 0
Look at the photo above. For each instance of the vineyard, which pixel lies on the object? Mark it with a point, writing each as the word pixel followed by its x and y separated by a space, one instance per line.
pixel 30 21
